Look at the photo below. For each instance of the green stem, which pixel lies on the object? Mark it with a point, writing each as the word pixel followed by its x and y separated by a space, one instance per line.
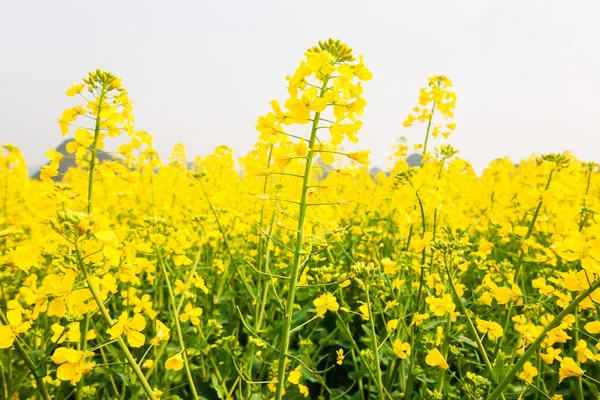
pixel 508 314
pixel 85 323
pixel 463 309
pixel 110 322
pixel 536 344
pixel 579 382
pixel 354 345
pixel 291 298
pixel 427 135
pixel 41 387
pixel 186 363
pixel 375 348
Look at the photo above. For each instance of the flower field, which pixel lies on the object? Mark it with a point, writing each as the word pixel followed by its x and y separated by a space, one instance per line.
pixel 292 271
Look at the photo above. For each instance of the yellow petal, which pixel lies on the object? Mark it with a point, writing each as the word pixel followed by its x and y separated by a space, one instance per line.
pixel 135 339
pixel 7 337
pixel 175 363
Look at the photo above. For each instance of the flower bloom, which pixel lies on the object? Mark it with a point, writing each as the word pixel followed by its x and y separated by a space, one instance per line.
pixel 73 364
pixel 491 328
pixel 361 157
pixel 162 333
pixel 131 327
pixel 8 333
pixel 295 375
pixel 592 327
pixel 504 295
pixel 325 302
pixel 436 359
pixel 529 372
pixel 440 306
pixel 402 350
pixel 568 368
pixel 191 314
pixel 340 356
pixel 175 363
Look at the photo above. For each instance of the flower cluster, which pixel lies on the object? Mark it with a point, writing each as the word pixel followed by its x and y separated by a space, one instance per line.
pixel 298 273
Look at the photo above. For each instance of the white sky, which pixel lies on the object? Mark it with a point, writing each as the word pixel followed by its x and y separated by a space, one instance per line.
pixel 527 73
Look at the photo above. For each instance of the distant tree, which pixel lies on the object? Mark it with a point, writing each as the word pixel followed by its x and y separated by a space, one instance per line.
pixel 414 160
pixel 67 162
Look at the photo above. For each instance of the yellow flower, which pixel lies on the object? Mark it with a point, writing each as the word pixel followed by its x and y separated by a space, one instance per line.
pixel 435 359
pixel 418 318
pixel 191 314
pixel 60 288
pixel 361 157
pixel 389 266
pixel 592 327
pixel 529 372
pixel 391 325
pixel 131 327
pixel 49 171
pixel 199 283
pixel 75 89
pixel 73 364
pixel 157 393
pixel 568 368
pixel 83 140
pixel 485 298
pixel 441 306
pixel 362 72
pixel 301 149
pixel 71 333
pixel 364 311
pixel 504 295
pixel 583 353
pixel 492 329
pixel 401 349
pixel 175 363
pixel 25 257
pixel 8 333
pixel 295 375
pixel 551 355
pixel 340 356
pixel 162 333
pixel 326 301
pixel 303 390
pixel 180 287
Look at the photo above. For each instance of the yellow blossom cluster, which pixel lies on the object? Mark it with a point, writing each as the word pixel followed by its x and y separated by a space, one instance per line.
pixel 293 271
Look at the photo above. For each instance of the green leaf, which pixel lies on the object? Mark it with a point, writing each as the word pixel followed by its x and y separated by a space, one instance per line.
pixel 466 340
pixel 217 387
pixel 498 370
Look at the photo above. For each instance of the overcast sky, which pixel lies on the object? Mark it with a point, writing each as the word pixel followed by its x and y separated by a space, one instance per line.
pixel 527 73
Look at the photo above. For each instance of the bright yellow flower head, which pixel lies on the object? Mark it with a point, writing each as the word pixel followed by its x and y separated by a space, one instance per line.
pixel 435 359
pixel 191 314
pixel 492 329
pixel 568 368
pixel 340 356
pixel 162 333
pixel 73 364
pixel 529 372
pixel 441 306
pixel 325 302
pixel 175 362
pixel 8 333
pixel 401 349
pixel 131 327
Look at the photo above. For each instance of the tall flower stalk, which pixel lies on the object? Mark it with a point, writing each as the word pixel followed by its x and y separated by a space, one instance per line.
pixel 327 78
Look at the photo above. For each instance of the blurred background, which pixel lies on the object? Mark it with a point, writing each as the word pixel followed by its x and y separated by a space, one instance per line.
pixel 201 73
